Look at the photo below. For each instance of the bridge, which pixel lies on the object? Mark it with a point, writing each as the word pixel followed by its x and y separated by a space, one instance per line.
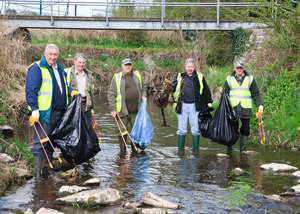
pixel 105 20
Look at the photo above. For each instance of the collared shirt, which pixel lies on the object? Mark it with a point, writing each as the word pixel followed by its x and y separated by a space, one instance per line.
pixel 239 79
pixel 81 82
pixel 57 77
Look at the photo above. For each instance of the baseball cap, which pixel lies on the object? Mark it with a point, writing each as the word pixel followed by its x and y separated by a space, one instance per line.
pixel 126 61
pixel 238 64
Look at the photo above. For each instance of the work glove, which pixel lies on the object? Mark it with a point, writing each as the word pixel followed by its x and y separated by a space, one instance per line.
pixel 209 107
pixel 74 93
pixel 35 115
pixel 259 111
pixel 221 90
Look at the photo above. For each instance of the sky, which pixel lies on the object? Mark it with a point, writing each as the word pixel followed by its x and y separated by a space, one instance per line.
pixel 82 10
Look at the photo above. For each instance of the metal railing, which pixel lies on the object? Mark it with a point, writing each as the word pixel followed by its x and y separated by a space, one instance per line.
pixel 107 5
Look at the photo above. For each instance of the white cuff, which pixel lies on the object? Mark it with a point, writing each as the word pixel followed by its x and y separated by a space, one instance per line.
pixel 36 114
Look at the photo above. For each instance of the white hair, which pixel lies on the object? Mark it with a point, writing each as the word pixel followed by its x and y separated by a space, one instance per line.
pixel 80 55
pixel 51 46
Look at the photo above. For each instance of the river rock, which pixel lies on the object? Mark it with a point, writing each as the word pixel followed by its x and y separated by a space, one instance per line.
pixel 278 167
pixel 72 189
pixel 273 197
pixel 238 171
pixel 154 211
pixel 133 205
pixel 296 174
pixel 221 155
pixel 28 211
pixel 250 153
pixel 95 196
pixel 93 181
pixel 48 211
pixel 5 158
pixel 296 188
pixel 6 129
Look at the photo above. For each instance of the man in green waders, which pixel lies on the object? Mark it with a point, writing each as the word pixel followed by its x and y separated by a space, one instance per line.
pixel 125 93
pixel 242 90
pixel 47 97
pixel 191 96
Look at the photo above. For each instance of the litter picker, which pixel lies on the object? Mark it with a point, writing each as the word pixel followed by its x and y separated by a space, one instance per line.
pixel 261 127
pixel 95 127
pixel 42 141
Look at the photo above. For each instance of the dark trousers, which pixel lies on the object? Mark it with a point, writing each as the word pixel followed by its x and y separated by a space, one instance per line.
pixel 37 148
pixel 245 128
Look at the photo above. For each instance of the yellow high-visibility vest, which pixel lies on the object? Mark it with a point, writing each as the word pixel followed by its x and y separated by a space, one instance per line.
pixel 118 78
pixel 45 93
pixel 178 87
pixel 240 93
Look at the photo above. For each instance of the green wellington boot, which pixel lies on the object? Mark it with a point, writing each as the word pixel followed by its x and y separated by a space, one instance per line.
pixel 181 141
pixel 196 141
pixel 37 162
pixel 243 142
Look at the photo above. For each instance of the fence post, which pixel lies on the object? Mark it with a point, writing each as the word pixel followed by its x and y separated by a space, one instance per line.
pixel 218 13
pixel 162 12
pixel 41 7
pixel 106 13
pixel 52 12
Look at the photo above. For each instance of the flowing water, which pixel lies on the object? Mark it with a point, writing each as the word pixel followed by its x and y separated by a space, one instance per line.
pixel 200 182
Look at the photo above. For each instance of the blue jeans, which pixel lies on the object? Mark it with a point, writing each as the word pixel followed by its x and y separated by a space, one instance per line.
pixel 188 113
pixel 37 148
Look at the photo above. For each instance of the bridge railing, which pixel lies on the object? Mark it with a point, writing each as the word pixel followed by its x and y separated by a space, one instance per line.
pixel 55 7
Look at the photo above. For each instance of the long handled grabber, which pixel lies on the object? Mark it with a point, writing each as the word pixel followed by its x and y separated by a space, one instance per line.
pixel 126 132
pixel 261 127
pixel 42 141
pixel 95 127
pixel 122 135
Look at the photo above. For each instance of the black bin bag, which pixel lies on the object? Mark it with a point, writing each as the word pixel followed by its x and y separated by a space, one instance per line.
pixel 74 136
pixel 223 128
pixel 204 118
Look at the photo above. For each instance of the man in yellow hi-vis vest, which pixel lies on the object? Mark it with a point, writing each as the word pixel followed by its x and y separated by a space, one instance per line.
pixel 191 95
pixel 125 93
pixel 81 79
pixel 47 97
pixel 242 90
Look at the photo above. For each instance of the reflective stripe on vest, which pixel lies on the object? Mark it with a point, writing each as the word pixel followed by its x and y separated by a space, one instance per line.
pixel 68 71
pixel 44 98
pixel 240 93
pixel 118 78
pixel 178 87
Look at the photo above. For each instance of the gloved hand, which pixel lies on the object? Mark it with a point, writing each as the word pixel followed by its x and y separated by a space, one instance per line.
pixel 35 115
pixel 259 111
pixel 74 93
pixel 209 107
pixel 221 90
pixel 92 112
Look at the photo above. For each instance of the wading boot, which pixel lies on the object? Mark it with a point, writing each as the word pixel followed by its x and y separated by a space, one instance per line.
pixel 196 142
pixel 122 144
pixel 37 162
pixel 243 142
pixel 181 141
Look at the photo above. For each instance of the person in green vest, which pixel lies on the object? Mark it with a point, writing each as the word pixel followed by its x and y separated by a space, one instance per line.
pixel 243 90
pixel 47 98
pixel 81 79
pixel 125 93
pixel 191 95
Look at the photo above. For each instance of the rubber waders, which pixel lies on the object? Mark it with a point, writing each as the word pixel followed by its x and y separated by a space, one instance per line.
pixel 196 141
pixel 243 142
pixel 121 143
pixel 181 141
pixel 37 162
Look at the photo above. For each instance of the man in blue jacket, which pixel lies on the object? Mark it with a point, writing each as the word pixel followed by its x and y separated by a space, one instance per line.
pixel 47 97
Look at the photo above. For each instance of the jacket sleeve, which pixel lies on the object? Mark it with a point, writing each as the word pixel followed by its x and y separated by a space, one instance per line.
pixel 174 83
pixel 111 95
pixel 226 86
pixel 33 85
pixel 206 92
pixel 255 93
pixel 144 89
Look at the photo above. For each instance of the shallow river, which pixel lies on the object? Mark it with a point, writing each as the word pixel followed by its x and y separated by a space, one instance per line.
pixel 199 182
